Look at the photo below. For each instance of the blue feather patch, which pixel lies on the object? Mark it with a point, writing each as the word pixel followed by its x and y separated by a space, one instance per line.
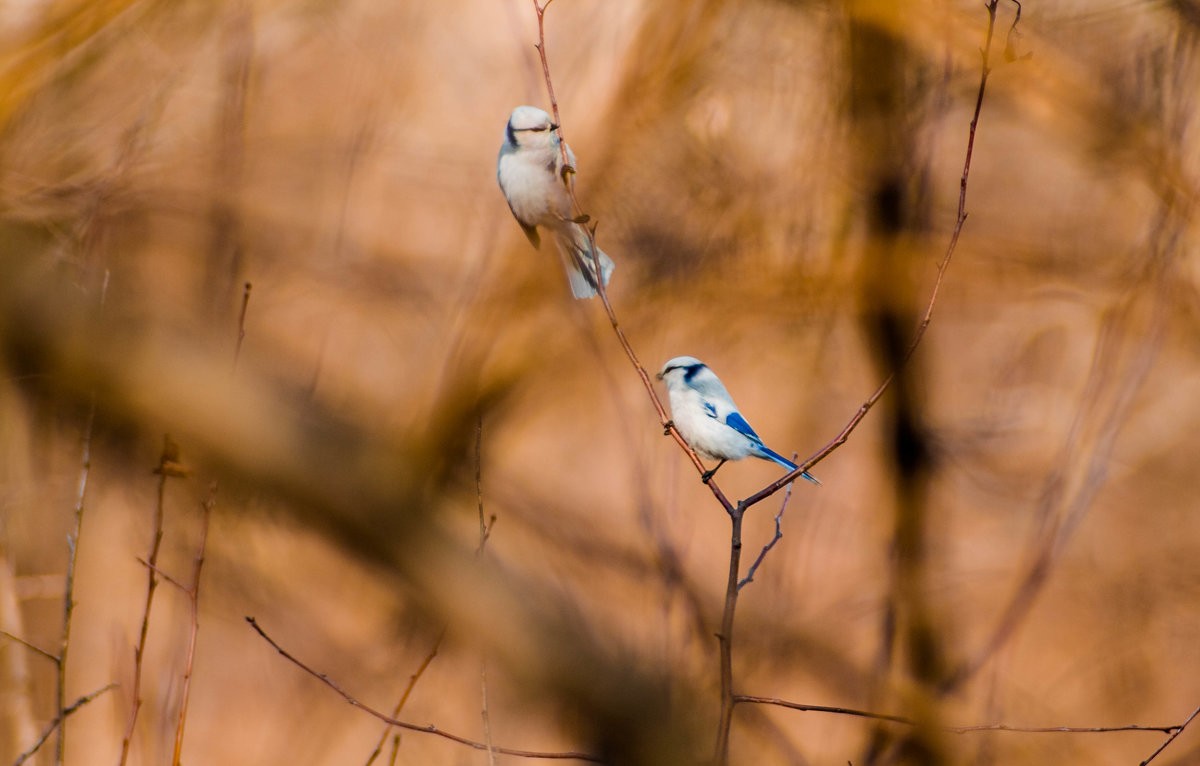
pixel 738 423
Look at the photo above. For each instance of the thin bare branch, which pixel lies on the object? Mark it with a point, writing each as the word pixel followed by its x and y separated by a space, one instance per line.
pixel 193 594
pixel 32 647
pixel 485 532
pixel 241 329
pixel 56 723
pixel 165 577
pixel 725 637
pixel 749 578
pixel 168 466
pixel 1171 738
pixel 60 692
pixel 727 697
pixel 487 722
pixel 601 290
pixel 412 682
pixel 485 526
pixel 429 729
pixel 1173 729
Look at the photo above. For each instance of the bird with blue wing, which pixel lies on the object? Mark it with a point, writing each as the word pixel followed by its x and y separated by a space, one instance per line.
pixel 708 419
pixel 530 172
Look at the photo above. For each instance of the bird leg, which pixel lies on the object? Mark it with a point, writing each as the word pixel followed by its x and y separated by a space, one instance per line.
pixel 667 428
pixel 704 477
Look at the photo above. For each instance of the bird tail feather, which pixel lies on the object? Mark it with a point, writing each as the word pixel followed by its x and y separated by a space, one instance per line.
pixel 575 247
pixel 771 454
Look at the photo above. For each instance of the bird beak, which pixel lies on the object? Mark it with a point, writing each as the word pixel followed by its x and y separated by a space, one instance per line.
pixel 553 126
pixel 658 376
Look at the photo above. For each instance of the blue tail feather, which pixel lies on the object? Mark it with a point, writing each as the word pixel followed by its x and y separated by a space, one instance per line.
pixel 771 454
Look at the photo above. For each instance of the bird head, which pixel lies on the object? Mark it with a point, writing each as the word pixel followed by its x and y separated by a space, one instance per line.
pixel 682 369
pixel 529 126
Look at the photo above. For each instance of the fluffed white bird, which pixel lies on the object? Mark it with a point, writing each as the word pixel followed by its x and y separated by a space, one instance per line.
pixel 707 418
pixel 529 170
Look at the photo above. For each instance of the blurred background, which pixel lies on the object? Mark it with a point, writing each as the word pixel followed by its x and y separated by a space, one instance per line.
pixel 1010 536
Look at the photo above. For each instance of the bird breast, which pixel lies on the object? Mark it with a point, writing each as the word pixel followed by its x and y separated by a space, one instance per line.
pixel 536 195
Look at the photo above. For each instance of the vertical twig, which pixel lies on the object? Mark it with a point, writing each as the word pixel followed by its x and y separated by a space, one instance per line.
pixel 168 466
pixel 483 536
pixel 487 724
pixel 668 426
pixel 226 249
pixel 193 591
pixel 193 595
pixel 60 661
pixel 541 49
pixel 241 330
pixel 725 637
pixel 412 682
pixel 60 692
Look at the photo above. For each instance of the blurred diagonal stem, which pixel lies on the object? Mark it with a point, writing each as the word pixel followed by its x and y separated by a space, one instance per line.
pixel 1123 358
pixel 943 265
pixel 192 592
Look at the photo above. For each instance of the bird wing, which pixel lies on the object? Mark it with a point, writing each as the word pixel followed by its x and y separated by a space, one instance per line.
pixel 738 423
pixel 572 163
pixel 531 232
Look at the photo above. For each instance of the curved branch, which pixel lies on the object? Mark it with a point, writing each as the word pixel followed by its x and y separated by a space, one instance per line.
pixel 428 729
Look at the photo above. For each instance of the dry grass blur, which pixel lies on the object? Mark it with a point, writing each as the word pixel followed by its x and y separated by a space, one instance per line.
pixel 340 157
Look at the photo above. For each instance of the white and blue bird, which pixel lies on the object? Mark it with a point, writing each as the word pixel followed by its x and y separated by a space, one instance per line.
pixel 529 170
pixel 708 420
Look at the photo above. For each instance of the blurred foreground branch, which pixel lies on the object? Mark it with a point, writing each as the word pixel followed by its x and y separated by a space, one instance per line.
pixel 485 531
